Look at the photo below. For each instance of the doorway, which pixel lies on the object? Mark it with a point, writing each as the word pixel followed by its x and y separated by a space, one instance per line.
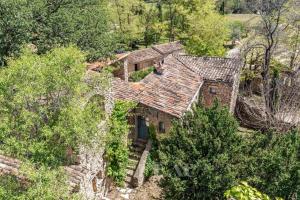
pixel 143 132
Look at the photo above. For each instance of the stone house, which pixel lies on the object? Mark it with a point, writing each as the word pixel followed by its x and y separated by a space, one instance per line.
pixel 145 58
pixel 178 83
pixel 182 81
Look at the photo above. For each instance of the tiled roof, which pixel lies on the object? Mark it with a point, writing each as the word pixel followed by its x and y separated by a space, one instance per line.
pixel 182 76
pixel 124 90
pixel 212 68
pixel 142 55
pixel 173 91
pixel 154 52
pixel 168 48
pixel 11 166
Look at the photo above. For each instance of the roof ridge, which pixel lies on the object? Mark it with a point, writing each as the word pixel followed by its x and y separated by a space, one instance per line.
pixel 176 57
pixel 210 57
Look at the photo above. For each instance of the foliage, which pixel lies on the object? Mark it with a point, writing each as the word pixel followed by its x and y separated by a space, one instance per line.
pixel 149 167
pixel 140 75
pixel 48 24
pixel 117 151
pixel 271 163
pixel 40 183
pixel 10 187
pixel 152 158
pixel 42 106
pixel 152 28
pixel 126 16
pixel 15 23
pixel 232 6
pixel 237 30
pixel 206 32
pixel 199 158
pixel 243 191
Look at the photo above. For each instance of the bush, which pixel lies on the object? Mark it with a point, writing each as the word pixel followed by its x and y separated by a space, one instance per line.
pixel 149 168
pixel 204 156
pixel 117 151
pixel 153 154
pixel 140 75
pixel 199 159
pixel 237 30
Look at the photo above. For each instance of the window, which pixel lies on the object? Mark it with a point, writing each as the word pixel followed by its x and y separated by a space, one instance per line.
pixel 161 127
pixel 136 67
pixel 212 90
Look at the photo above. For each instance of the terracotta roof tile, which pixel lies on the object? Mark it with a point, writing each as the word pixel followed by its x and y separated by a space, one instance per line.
pixel 182 76
pixel 212 68
pixel 11 166
pixel 124 90
pixel 168 48
pixel 142 55
pixel 172 91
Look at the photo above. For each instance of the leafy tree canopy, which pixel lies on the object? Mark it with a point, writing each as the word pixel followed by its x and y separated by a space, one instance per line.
pixel 42 106
pixel 204 156
pixel 199 157
pixel 48 24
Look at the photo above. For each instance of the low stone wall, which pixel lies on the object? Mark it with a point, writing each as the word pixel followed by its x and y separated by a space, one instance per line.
pixel 138 177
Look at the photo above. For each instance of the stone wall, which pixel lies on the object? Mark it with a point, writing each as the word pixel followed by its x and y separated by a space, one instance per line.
pixel 224 92
pixel 94 184
pixel 154 116
pixel 141 65
pixel 235 92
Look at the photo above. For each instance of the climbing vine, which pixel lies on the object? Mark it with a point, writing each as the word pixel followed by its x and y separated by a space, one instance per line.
pixel 117 151
pixel 152 158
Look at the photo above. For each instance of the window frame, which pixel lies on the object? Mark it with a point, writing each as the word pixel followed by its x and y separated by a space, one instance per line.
pixel 161 127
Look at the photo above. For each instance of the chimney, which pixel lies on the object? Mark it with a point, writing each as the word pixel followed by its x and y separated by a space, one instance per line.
pixel 159 67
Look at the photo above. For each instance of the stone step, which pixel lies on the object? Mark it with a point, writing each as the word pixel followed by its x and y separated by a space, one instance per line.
pixel 135 155
pixel 133 162
pixel 128 179
pixel 139 144
pixel 130 172
pixel 130 167
pixel 142 141
pixel 137 149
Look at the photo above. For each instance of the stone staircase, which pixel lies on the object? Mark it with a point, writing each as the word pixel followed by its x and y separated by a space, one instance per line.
pixel 135 154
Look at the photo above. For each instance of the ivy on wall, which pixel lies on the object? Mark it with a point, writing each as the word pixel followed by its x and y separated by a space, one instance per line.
pixel 117 150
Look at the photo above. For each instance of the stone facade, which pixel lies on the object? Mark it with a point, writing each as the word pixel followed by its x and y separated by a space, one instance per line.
pixel 94 184
pixel 154 117
pixel 226 93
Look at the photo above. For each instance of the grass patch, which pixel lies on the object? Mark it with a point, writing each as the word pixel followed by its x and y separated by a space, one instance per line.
pixel 140 75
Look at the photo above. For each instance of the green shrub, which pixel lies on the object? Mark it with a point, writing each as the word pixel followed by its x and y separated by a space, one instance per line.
pixel 140 75
pixel 117 151
pixel 149 168
pixel 237 30
pixel 153 154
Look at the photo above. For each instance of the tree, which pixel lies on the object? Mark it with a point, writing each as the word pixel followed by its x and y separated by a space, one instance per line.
pixel 40 183
pixel 49 24
pixel 41 106
pixel 271 163
pixel 15 23
pixel 152 28
pixel 117 151
pixel 199 157
pixel 271 13
pixel 207 30
pixel 125 17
